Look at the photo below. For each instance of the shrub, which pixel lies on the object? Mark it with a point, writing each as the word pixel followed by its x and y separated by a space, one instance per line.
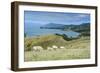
pixel 28 46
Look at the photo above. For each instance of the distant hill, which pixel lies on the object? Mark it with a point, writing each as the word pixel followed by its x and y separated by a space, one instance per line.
pixel 53 26
pixel 78 28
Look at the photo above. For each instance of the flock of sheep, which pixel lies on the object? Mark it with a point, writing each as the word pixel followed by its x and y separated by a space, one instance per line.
pixel 54 47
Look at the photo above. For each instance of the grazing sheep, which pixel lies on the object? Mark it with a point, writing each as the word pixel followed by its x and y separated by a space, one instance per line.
pixel 37 48
pixel 55 47
pixel 49 48
pixel 62 47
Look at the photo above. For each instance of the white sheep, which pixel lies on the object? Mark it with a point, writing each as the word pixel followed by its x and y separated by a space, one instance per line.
pixel 55 47
pixel 62 47
pixel 49 48
pixel 37 48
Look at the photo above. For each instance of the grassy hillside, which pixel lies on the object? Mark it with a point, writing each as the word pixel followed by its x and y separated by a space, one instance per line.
pixel 74 49
pixel 44 41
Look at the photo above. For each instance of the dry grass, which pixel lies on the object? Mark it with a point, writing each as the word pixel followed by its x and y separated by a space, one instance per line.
pixel 74 49
pixel 60 54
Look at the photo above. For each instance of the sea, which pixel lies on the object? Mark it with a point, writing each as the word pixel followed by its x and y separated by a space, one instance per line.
pixel 34 31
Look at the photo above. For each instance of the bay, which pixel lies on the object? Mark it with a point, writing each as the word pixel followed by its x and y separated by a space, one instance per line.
pixel 35 30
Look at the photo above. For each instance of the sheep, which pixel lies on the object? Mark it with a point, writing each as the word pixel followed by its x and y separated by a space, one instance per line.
pixel 62 47
pixel 55 47
pixel 37 48
pixel 49 48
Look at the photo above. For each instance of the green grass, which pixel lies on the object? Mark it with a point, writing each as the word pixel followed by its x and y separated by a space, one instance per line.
pixel 74 49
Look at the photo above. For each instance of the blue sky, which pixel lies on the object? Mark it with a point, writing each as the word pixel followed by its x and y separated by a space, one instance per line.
pixel 40 17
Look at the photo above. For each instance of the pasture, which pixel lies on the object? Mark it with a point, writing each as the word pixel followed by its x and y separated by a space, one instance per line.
pixel 74 49
pixel 60 54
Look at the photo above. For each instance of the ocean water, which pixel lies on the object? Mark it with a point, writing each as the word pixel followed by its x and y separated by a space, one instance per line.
pixel 32 31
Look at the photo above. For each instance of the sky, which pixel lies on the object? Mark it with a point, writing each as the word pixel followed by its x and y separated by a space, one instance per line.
pixel 42 18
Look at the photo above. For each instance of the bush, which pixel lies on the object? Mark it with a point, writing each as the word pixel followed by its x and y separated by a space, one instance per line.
pixel 28 47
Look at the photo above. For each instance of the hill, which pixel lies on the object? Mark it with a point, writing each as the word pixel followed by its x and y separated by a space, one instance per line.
pixel 49 40
pixel 83 29
pixel 44 41
pixel 53 26
pixel 78 28
pixel 74 49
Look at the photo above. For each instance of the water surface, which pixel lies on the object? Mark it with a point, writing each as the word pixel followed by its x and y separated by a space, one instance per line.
pixel 37 31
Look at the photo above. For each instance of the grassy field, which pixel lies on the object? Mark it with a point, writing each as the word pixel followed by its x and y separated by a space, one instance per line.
pixel 74 49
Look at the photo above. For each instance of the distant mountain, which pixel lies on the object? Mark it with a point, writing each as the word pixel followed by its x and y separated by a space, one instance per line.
pixel 78 28
pixel 53 26
pixel 82 27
